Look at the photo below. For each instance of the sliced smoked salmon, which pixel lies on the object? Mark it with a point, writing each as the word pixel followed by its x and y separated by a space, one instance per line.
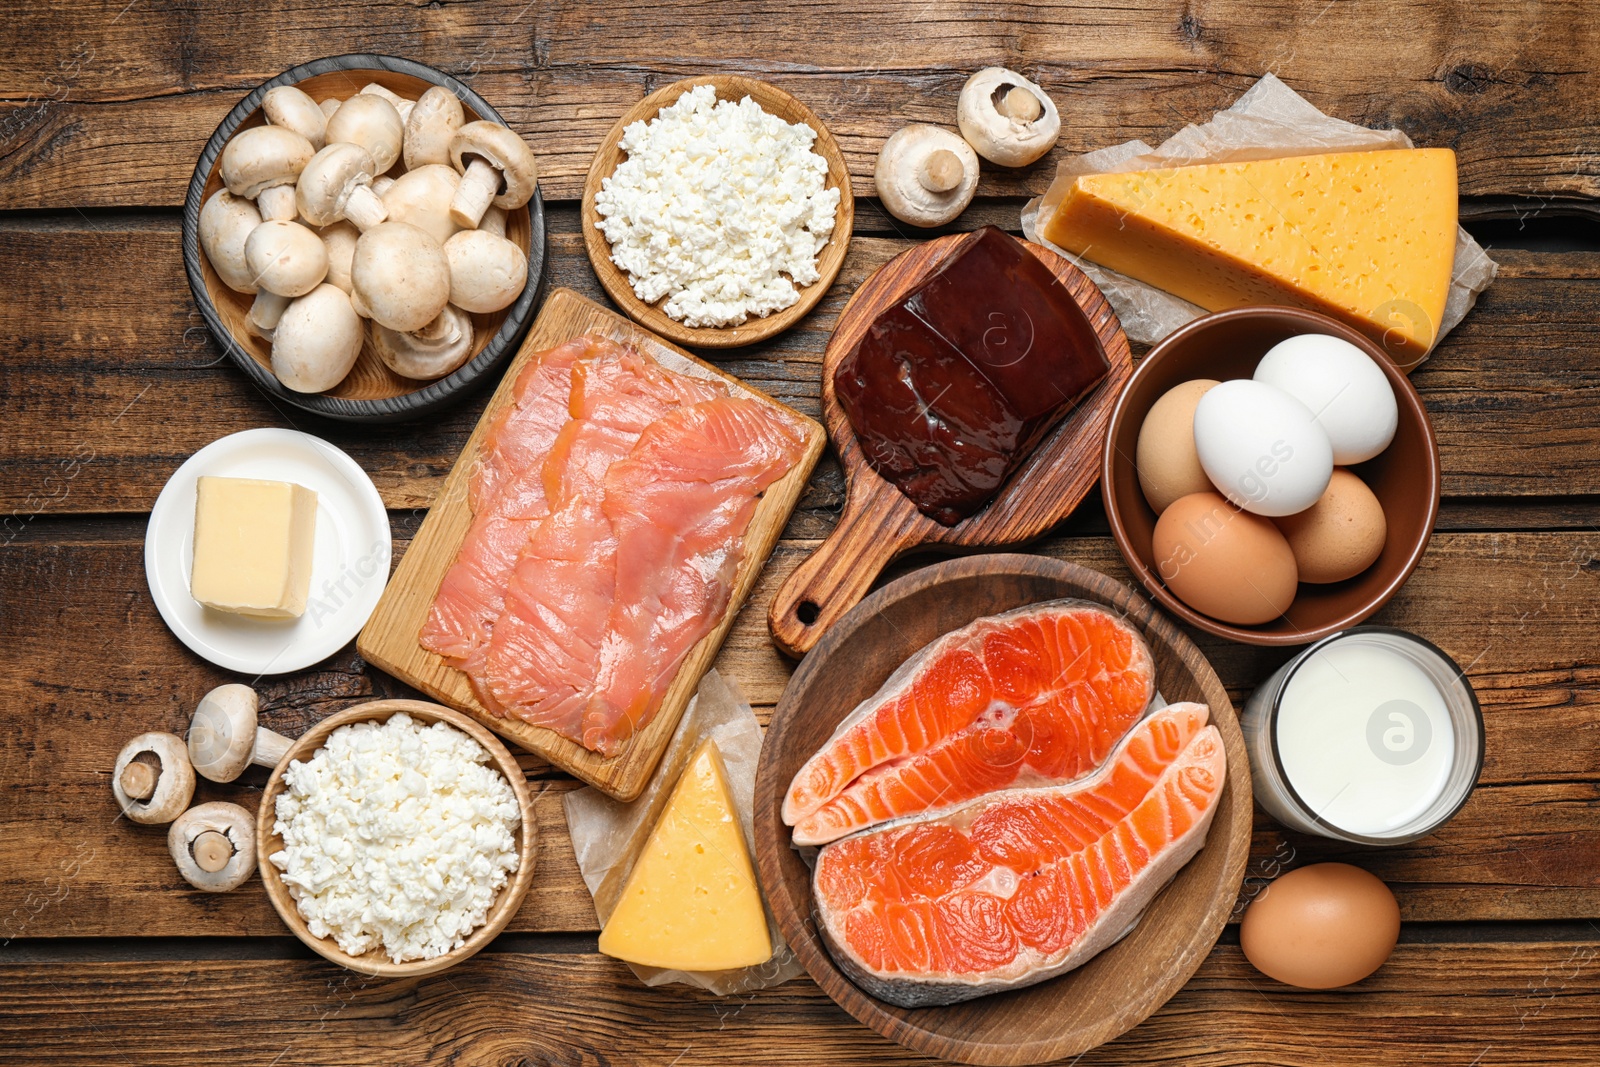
pixel 1035 696
pixel 1023 884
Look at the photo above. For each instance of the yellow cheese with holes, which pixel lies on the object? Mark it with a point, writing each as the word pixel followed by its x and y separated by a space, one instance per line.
pixel 692 902
pixel 1366 237
pixel 253 546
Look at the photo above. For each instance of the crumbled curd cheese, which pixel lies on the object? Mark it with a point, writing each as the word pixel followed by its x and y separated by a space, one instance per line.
pixel 396 834
pixel 719 207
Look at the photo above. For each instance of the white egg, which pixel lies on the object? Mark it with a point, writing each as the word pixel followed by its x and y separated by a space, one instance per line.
pixel 1343 387
pixel 1261 447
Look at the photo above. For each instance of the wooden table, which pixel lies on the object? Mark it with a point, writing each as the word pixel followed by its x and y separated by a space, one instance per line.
pixel 108 381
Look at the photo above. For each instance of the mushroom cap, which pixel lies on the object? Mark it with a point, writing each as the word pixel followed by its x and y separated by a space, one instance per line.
pixel 899 175
pixel 399 276
pixel 325 184
pixel 223 731
pixel 1000 138
pixel 339 239
pixel 291 108
pixel 225 223
pixel 233 823
pixel 506 152
pixel 285 257
pixel 486 272
pixel 372 122
pixel 432 123
pixel 317 340
pixel 431 352
pixel 261 157
pixel 422 198
pixel 174 784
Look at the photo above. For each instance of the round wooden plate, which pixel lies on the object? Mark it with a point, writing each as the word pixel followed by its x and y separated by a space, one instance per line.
pixel 879 523
pixel 776 102
pixel 375 961
pixel 1117 989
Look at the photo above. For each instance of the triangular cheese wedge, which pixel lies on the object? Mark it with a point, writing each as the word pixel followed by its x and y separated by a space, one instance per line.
pixel 692 902
pixel 1366 237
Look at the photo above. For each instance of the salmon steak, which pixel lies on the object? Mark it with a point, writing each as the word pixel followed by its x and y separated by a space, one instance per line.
pixel 1036 696
pixel 1023 884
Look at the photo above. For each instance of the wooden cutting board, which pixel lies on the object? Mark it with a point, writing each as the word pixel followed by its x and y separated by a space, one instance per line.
pixel 389 639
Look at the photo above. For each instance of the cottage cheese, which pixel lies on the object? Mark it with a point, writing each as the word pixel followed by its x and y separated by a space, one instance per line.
pixel 721 208
pixel 396 834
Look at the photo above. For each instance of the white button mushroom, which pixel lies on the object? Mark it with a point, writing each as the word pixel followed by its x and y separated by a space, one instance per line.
pixel 291 108
pixel 224 737
pixel 225 223
pixel 430 127
pixel 214 846
pixel 1006 117
pixel 317 340
pixel 336 185
pixel 402 106
pixel 399 277
pixel 422 198
pixel 431 352
pixel 153 780
pixel 340 241
pixel 496 165
pixel 926 175
pixel 486 272
pixel 262 164
pixel 286 260
pixel 371 122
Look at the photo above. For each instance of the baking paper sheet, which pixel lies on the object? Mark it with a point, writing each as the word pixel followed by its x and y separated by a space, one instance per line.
pixel 1269 121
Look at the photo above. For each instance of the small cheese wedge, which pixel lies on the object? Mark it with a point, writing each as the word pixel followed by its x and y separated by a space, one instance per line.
pixel 692 902
pixel 1366 237
pixel 253 546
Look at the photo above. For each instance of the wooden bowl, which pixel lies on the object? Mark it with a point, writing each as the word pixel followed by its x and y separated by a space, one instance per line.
pixel 371 392
pixel 375 961
pixel 775 101
pixel 1405 477
pixel 1116 990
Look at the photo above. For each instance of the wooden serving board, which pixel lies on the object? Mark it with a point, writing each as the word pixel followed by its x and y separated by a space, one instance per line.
pixel 879 523
pixel 389 639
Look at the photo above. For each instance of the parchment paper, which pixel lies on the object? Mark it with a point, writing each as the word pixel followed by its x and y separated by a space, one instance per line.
pixel 608 835
pixel 1269 121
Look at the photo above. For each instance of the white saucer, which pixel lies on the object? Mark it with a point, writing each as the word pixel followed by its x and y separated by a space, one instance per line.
pixel 349 569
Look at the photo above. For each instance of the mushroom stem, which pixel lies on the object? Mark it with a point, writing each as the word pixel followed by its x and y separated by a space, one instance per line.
pixel 139 780
pixel 941 171
pixel 277 202
pixel 1019 104
pixel 267 309
pixel 494 221
pixel 479 184
pixel 270 747
pixel 212 850
pixel 364 208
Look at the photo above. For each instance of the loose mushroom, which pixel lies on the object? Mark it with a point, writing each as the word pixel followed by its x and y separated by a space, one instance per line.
pixel 926 175
pixel 430 127
pixel 262 164
pixel 371 122
pixel 422 198
pixel 286 260
pixel 336 185
pixel 291 108
pixel 153 780
pixel 496 165
pixel 401 105
pixel 224 737
pixel 1006 117
pixel 340 241
pixel 214 846
pixel 317 340
pixel 225 223
pixel 431 352
pixel 486 272
pixel 399 277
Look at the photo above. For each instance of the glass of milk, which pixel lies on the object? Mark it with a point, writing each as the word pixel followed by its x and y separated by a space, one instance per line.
pixel 1371 736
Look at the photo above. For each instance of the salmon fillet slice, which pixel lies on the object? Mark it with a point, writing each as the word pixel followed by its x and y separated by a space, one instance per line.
pixel 1035 696
pixel 1025 884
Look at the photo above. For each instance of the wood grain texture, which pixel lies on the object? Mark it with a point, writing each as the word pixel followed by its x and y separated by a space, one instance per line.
pixel 390 638
pixel 878 522
pixel 652 316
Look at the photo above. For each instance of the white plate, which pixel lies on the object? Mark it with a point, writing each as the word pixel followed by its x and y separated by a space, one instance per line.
pixel 348 572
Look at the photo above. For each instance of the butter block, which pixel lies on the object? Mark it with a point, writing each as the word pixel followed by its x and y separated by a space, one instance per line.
pixel 692 902
pixel 1366 237
pixel 253 546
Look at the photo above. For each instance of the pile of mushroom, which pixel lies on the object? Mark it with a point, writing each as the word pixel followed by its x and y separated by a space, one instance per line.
pixel 926 175
pixel 371 218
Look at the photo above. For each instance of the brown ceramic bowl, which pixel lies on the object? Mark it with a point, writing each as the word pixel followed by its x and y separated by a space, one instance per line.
pixel 1405 477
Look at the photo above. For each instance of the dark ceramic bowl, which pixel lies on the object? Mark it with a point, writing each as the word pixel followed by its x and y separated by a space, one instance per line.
pixel 1405 477
pixel 371 392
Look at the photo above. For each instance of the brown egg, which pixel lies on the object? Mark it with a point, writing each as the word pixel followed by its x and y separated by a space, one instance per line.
pixel 1165 456
pixel 1224 562
pixel 1322 926
pixel 1339 536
